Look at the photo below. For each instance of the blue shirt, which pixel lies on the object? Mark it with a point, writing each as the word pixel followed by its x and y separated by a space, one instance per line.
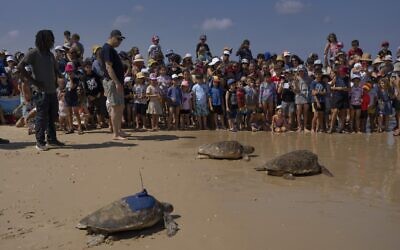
pixel 319 87
pixel 216 95
pixel 175 95
pixel 200 92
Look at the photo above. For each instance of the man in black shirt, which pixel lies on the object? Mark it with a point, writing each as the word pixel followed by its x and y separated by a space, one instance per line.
pixel 113 82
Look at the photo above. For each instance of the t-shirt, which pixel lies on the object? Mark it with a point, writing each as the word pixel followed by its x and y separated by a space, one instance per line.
pixel 155 52
pixel 109 54
pixel 319 87
pixel 287 93
pixel 356 94
pixel 200 92
pixel 5 89
pixel 341 82
pixel 92 84
pixel 140 91
pixel 186 99
pixel 175 95
pixel 44 68
pixel 216 95
pixel 251 96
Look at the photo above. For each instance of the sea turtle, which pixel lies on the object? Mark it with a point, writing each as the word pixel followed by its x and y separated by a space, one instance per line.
pixel 224 150
pixel 295 163
pixel 133 212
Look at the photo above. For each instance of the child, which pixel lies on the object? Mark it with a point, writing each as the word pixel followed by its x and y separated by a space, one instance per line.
pixel 154 108
pixel 365 99
pixel 231 104
pixel 155 51
pixel 200 93
pixel 128 96
pixel 140 101
pixel 279 122
pixel 175 100
pixel 356 93
pixel 216 97
pixel 71 98
pixel 186 108
pixel 164 82
pixel 62 107
pixel 251 101
pixel 267 96
pixel 384 105
pixel 395 82
pixel 318 91
pixel 240 93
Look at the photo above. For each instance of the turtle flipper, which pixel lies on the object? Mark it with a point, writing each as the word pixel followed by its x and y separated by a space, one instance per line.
pixel 325 171
pixel 95 240
pixel 170 225
pixel 81 226
pixel 199 157
pixel 260 169
pixel 288 176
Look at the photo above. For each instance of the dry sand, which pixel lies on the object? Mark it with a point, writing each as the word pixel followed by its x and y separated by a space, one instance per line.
pixel 221 204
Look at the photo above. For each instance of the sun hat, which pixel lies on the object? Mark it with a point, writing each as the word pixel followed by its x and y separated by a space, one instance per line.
pixel 60 48
pixel 340 53
pixel 153 76
pixel 187 55
pixel 138 58
pixel 366 87
pixel 139 75
pixel 227 52
pixel 388 58
pixel 10 59
pixel 95 48
pixel 69 67
pixel 230 82
pixel 366 57
pixel 280 58
pixel 377 60
pixel 286 53
pixel 151 62
pixel 128 79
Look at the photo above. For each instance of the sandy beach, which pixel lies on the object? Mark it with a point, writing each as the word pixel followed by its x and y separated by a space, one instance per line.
pixel 219 204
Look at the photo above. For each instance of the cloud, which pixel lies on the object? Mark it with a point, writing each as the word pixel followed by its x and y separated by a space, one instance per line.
pixel 121 20
pixel 138 8
pixel 327 19
pixel 217 24
pixel 12 34
pixel 289 6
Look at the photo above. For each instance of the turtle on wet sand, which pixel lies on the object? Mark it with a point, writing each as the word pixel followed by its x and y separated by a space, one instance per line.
pixel 135 212
pixel 295 163
pixel 232 150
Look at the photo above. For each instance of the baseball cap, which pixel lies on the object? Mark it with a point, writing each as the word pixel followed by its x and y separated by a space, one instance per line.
pixel 128 79
pixel 117 33
pixel 174 76
pixel 230 81
pixel 10 59
pixel 153 76
pixel 214 61
pixel 185 83
pixel 227 52
pixel 59 47
pixel 139 75
pixel 244 60
pixel 69 67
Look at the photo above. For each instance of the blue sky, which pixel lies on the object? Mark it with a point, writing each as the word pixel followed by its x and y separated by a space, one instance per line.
pixel 300 26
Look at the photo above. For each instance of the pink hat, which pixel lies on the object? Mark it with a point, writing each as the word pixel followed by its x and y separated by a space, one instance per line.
pixel 153 76
pixel 185 83
pixel 69 67
pixel 340 45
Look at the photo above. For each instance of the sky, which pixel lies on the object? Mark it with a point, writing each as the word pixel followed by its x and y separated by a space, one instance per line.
pixel 299 26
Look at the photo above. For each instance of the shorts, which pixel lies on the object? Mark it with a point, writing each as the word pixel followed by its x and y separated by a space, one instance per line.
pixel 340 102
pixel 301 99
pixel 98 105
pixel 185 111
pixel 140 108
pixel 71 98
pixel 364 114
pixel 355 107
pixel 201 110
pixel 218 110
pixel 316 109
pixel 232 114
pixel 288 107
pixel 110 91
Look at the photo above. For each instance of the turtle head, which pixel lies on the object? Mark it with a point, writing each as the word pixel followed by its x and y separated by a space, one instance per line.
pixel 167 207
pixel 248 149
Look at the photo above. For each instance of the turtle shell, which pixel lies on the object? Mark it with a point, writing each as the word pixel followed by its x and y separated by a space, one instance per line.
pixel 129 213
pixel 222 150
pixel 298 162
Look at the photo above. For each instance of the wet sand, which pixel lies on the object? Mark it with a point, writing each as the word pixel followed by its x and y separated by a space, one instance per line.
pixel 220 204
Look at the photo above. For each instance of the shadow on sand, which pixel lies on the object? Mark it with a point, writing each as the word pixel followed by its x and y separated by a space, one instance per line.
pixel 159 137
pixel 22 145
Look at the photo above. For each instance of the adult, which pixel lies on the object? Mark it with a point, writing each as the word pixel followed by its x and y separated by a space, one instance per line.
pixel 45 69
pixel 77 45
pixel 203 44
pixel 302 98
pixel 331 48
pixel 113 81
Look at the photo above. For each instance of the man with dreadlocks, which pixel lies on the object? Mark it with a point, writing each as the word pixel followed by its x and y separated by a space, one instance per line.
pixel 44 85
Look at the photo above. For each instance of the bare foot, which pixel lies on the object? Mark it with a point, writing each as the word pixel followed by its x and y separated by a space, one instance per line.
pixel 119 138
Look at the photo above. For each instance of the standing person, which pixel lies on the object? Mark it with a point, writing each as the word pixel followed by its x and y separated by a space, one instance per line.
pixel 302 98
pixel 244 51
pixel 45 69
pixel 203 44
pixel 114 77
pixel 340 88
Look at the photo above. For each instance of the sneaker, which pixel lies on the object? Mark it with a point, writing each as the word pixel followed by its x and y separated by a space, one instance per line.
pixel 56 143
pixel 41 147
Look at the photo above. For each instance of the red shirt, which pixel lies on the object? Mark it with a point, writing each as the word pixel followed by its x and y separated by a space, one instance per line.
pixel 365 99
pixel 240 94
pixel 353 52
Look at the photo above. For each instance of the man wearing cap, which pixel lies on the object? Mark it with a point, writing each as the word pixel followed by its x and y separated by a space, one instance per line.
pixel 113 81
pixel 45 69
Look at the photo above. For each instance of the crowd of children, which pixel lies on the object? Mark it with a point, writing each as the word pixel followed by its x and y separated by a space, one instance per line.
pixel 344 92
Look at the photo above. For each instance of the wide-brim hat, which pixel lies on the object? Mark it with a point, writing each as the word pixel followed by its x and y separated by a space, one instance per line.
pixel 366 57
